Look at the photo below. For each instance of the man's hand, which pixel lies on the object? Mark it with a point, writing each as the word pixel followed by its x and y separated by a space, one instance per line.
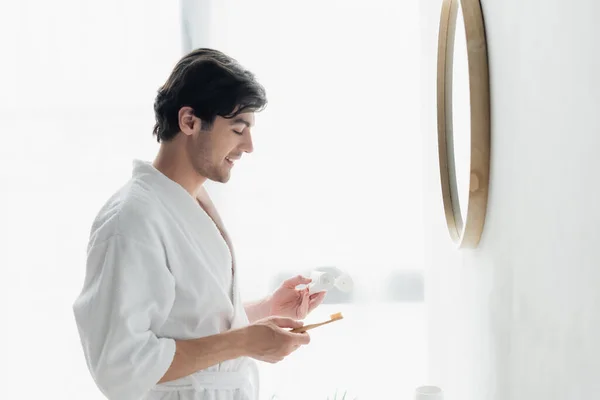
pixel 268 339
pixel 287 301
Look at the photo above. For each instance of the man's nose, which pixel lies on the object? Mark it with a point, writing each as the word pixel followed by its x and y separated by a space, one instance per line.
pixel 248 146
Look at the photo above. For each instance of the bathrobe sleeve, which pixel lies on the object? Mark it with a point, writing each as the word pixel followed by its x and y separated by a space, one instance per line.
pixel 128 293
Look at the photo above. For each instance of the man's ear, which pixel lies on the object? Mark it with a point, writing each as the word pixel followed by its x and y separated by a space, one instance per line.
pixel 187 120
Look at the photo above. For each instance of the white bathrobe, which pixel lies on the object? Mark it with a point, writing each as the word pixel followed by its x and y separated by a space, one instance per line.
pixel 158 269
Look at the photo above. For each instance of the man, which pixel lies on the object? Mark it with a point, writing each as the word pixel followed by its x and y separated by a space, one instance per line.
pixel 160 314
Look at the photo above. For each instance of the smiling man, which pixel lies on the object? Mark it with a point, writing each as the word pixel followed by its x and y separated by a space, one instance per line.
pixel 160 314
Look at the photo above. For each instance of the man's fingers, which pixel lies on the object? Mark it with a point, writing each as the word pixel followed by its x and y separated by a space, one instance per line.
pixel 296 280
pixel 315 300
pixel 304 304
pixel 283 322
pixel 301 338
pixel 320 295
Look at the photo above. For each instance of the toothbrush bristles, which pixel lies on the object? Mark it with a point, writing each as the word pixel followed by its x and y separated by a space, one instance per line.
pixel 337 316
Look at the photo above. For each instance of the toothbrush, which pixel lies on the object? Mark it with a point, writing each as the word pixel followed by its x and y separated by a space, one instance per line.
pixel 333 317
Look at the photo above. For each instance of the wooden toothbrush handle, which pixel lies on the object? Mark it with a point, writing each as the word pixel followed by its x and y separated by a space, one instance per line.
pixel 311 326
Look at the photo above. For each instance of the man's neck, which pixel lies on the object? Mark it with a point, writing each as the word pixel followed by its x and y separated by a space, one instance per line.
pixel 175 166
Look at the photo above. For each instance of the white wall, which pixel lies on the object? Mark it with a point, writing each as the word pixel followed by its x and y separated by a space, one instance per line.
pixel 78 83
pixel 519 318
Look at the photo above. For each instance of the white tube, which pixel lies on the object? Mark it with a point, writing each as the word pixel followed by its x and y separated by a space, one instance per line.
pixel 321 282
pixel 429 393
pixel 344 283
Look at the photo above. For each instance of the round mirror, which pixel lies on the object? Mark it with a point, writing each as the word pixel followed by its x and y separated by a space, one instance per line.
pixel 458 128
pixel 463 119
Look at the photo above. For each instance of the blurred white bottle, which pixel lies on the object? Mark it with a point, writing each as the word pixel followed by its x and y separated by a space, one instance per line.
pixel 429 393
pixel 344 283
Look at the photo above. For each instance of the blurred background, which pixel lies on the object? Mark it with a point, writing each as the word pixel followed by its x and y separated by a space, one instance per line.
pixel 335 179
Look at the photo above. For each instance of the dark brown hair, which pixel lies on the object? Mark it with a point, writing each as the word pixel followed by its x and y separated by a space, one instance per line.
pixel 212 84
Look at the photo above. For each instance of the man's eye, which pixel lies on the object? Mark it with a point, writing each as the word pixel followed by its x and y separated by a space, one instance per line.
pixel 239 133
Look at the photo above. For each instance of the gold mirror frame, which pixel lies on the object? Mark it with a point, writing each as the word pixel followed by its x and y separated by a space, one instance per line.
pixel 467 234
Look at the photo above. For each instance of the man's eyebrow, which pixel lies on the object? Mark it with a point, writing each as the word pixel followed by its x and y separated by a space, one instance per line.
pixel 240 121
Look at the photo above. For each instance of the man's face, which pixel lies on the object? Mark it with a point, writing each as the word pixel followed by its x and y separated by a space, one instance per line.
pixel 214 150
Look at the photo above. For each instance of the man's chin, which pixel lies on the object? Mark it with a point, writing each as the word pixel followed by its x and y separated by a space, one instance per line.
pixel 221 178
